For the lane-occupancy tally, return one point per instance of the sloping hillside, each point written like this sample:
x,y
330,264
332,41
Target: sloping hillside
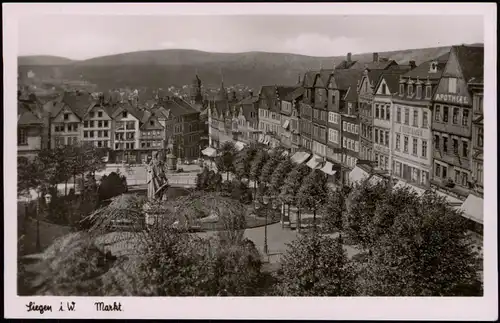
x,y
163,68
43,60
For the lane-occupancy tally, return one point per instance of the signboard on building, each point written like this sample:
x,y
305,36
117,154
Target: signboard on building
x,y
413,131
382,149
452,98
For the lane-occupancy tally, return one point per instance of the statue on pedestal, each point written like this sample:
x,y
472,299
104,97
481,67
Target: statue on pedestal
x,y
156,178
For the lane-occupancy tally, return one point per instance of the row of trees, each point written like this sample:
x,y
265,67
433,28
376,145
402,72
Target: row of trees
x,y
276,175
59,165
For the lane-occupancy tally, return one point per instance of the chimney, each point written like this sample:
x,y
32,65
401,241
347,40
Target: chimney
x,y
299,80
412,64
349,57
375,57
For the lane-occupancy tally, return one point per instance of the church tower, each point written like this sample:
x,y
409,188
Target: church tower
x,y
196,97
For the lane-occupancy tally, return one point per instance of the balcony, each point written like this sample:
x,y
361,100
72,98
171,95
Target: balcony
x,y
454,129
453,159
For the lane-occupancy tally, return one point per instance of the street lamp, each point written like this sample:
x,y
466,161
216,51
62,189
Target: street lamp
x,y
265,201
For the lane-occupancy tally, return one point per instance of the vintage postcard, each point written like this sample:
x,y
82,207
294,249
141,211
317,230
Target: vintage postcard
x,y
250,161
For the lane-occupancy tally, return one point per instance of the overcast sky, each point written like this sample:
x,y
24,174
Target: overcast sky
x,y
81,37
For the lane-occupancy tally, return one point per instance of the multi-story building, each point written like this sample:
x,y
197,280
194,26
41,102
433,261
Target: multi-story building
x,y
476,87
320,115
66,115
344,122
453,116
126,125
97,124
31,137
152,134
220,118
270,113
306,111
290,136
385,88
246,119
411,122
182,125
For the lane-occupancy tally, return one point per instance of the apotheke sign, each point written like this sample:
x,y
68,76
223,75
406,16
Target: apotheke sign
x,y
451,98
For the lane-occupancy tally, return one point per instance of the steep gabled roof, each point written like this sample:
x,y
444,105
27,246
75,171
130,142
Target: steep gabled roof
x,y
126,106
27,115
380,65
391,80
345,65
422,71
175,106
77,101
294,94
471,60
248,100
309,78
347,80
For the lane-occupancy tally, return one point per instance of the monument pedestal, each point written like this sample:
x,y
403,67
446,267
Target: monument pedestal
x,y
171,163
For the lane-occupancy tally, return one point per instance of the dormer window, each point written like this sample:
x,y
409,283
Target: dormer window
x,y
401,89
124,114
433,67
428,91
419,91
410,89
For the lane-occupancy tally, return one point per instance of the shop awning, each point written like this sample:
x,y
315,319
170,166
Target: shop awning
x,y
401,184
266,140
300,156
209,151
450,199
357,175
314,162
261,138
239,145
286,124
328,169
473,208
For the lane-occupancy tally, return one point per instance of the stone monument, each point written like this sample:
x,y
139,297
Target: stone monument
x,y
171,158
157,185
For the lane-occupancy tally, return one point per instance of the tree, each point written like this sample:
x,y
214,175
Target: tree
x,y
111,185
426,252
313,193
267,170
256,167
202,179
316,265
291,187
242,162
225,158
333,210
29,176
279,175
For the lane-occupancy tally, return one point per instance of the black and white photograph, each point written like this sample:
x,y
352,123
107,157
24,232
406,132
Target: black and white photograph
x,y
169,152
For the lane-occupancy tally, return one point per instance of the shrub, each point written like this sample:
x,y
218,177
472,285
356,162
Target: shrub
x,y
112,185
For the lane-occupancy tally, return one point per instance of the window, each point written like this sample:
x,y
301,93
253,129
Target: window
x,y
151,122
330,117
465,118
425,120
99,124
479,175
105,133
388,113
382,112
398,115
333,99
91,123
423,179
91,114
99,114
401,89
85,134
405,147
85,124
457,177
445,172
99,134
465,179
415,146
387,138
455,115
407,116
455,146
124,114
344,142
419,91
424,148
376,160
376,135
384,89
410,90
445,114
465,148
66,116
428,92
445,144
436,142
376,111
356,146
22,138
437,171
480,131
91,134
452,85
415,118
437,115
356,129
344,126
